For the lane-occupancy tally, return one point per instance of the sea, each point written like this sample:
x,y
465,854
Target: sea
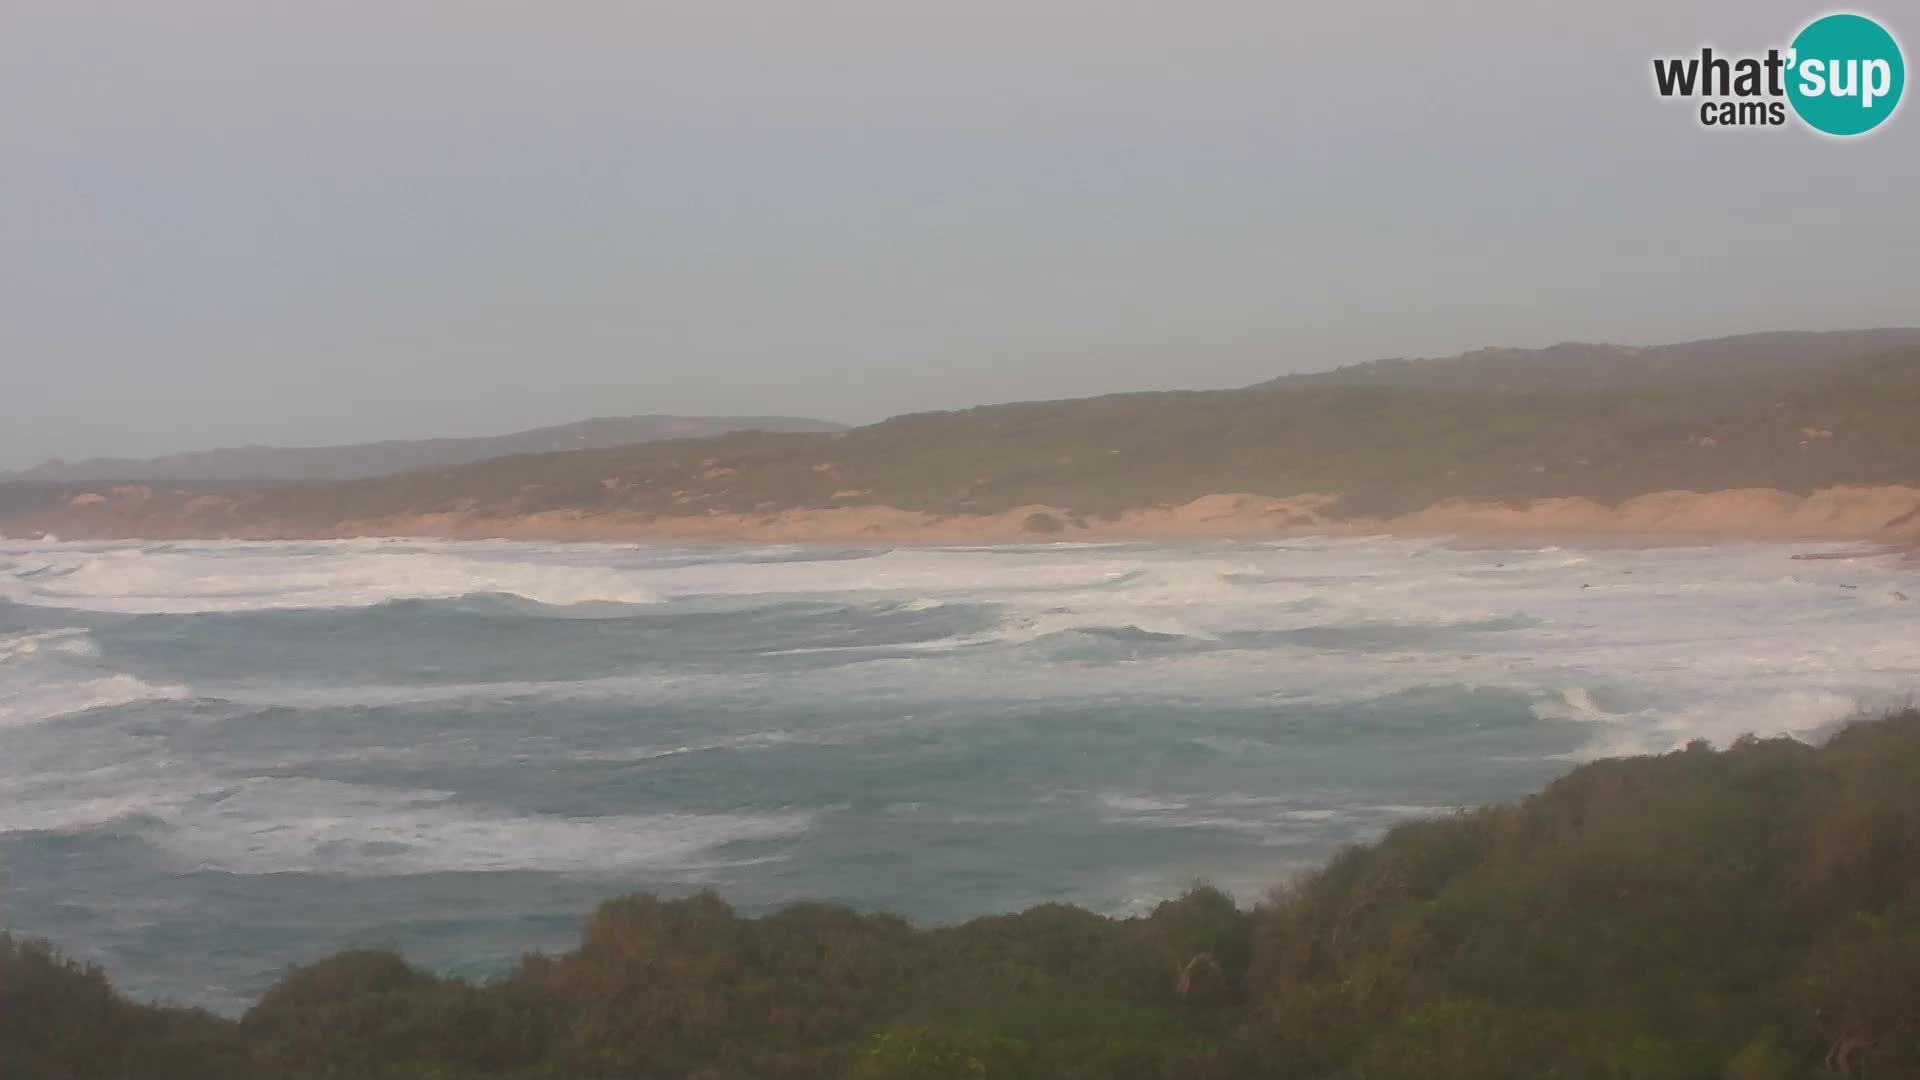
x,y
219,759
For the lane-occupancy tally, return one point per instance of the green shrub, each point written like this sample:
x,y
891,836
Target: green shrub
x,y
1749,914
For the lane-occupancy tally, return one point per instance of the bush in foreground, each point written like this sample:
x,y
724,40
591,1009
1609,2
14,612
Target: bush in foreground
x,y
1749,914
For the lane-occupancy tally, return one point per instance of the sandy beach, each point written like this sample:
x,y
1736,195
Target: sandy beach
x,y
1887,515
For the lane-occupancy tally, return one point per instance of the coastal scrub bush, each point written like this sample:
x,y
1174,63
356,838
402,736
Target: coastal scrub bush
x,y
1752,913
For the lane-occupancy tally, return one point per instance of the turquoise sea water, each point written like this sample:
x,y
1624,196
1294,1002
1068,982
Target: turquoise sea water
x,y
217,759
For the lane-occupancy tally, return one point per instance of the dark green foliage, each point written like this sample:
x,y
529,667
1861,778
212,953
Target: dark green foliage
x,y
366,1012
60,1019
1752,914
1807,413
1680,915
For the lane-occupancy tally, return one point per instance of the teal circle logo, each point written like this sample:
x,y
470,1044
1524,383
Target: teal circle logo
x,y
1845,74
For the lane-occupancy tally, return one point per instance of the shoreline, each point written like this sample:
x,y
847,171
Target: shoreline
x,y
1887,516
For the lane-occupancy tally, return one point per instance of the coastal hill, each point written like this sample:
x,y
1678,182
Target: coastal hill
x,y
1752,913
1576,365
1801,434
397,455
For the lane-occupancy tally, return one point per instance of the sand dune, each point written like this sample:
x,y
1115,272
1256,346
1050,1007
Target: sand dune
x,y
1889,514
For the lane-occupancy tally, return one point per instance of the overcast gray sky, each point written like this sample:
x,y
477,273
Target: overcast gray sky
x,y
295,222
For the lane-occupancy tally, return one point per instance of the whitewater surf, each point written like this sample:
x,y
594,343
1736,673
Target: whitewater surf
x,y
220,758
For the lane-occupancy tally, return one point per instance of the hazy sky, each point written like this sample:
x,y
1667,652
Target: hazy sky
x,y
301,222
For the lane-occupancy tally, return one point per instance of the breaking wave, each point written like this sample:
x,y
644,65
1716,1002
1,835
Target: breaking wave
x,y
197,736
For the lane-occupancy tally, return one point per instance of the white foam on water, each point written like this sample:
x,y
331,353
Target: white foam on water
x,y
324,827
34,703
68,640
61,808
271,825
1205,590
45,675
1016,629
1267,820
1139,804
1635,650
255,577
1807,715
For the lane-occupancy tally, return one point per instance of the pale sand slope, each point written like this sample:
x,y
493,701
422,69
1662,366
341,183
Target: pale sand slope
x,y
1889,514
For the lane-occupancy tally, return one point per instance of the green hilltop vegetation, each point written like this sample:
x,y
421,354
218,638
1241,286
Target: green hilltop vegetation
x,y
1746,914
1575,365
1796,412
1385,445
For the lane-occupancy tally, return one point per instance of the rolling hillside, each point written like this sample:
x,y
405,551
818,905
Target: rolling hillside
x,y
1806,412
1578,366
398,455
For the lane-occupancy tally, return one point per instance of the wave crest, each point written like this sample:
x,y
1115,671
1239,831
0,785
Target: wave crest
x,y
243,577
